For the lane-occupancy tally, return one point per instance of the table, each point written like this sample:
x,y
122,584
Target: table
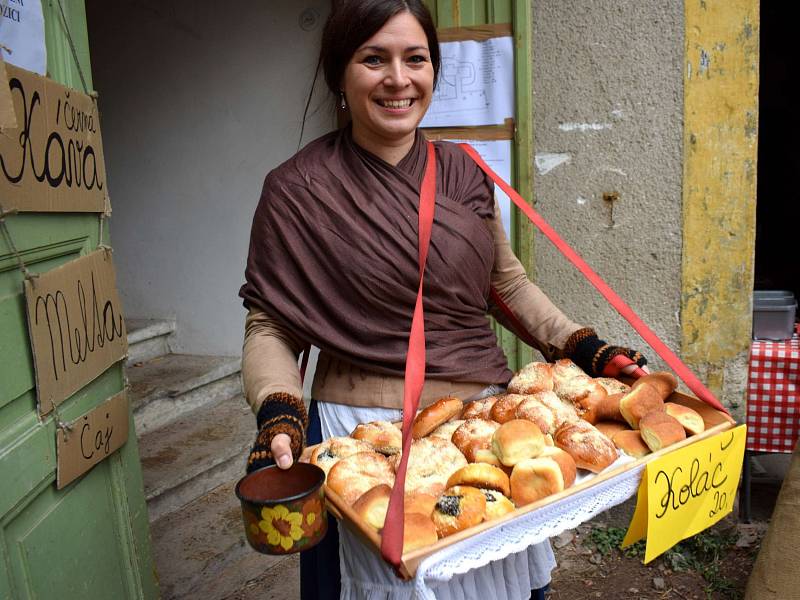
x,y
773,403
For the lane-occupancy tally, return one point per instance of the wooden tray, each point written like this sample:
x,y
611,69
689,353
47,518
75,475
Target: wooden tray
x,y
715,422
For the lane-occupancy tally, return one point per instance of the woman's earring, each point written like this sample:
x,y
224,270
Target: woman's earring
x,y
342,101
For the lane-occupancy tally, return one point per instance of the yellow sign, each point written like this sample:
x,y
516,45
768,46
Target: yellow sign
x,y
686,491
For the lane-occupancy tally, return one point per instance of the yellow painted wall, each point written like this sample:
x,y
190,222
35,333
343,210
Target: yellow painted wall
x,y
719,189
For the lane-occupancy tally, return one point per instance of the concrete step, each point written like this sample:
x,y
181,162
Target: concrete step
x,y
195,453
200,552
148,338
162,389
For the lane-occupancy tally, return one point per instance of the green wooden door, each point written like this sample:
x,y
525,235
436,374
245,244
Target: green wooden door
x,y
90,539
465,13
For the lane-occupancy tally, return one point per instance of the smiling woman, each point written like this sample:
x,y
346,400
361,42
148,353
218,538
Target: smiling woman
x,y
334,262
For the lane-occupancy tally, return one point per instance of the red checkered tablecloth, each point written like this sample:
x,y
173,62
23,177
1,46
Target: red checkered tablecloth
x,y
773,396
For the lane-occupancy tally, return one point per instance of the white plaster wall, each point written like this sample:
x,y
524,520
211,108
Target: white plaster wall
x,y
199,100
608,102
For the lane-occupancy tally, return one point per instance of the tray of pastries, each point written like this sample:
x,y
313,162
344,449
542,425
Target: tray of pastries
x,y
476,465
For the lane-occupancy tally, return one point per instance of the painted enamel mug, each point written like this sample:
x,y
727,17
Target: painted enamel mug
x,y
283,510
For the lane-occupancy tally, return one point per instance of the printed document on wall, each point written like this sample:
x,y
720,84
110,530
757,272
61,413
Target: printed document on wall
x,y
497,154
22,35
476,84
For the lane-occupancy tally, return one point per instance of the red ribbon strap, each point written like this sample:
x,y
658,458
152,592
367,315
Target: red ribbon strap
x,y
675,363
392,537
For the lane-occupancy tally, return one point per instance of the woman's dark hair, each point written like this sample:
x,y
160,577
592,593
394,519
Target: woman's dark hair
x,y
353,22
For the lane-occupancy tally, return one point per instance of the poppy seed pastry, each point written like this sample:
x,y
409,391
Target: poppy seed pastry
x,y
457,508
660,430
533,377
481,475
517,440
589,448
332,450
358,473
384,437
497,504
434,415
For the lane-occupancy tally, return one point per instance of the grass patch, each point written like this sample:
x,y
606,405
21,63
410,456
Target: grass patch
x,y
702,554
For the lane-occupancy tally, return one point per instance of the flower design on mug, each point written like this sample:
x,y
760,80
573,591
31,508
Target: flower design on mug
x,y
282,527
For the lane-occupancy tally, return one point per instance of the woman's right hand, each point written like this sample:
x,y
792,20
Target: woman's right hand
x,y
281,447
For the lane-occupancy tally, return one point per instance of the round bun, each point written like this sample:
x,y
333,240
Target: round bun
x,y
589,448
660,430
358,473
537,478
477,452
434,415
642,399
418,531
664,382
332,450
384,437
418,502
481,475
430,464
688,417
373,504
457,508
505,409
631,443
517,440
474,432
497,504
601,408
479,409
569,470
533,377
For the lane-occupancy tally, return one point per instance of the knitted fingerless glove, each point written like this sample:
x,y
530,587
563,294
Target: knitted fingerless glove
x,y
592,354
279,413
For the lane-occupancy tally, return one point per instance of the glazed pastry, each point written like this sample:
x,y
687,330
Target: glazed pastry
x,y
642,399
434,415
457,508
383,436
481,476
418,531
480,409
430,464
475,433
533,377
497,504
690,419
664,383
589,448
631,443
660,430
372,505
358,473
517,440
446,430
505,409
332,450
547,410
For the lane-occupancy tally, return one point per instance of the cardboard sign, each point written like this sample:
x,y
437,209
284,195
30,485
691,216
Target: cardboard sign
x,y
686,491
75,325
52,160
8,118
86,441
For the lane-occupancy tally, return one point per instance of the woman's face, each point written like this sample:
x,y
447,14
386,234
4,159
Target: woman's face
x,y
388,84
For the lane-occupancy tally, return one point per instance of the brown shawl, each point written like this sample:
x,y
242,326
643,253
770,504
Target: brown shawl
x,y
333,256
